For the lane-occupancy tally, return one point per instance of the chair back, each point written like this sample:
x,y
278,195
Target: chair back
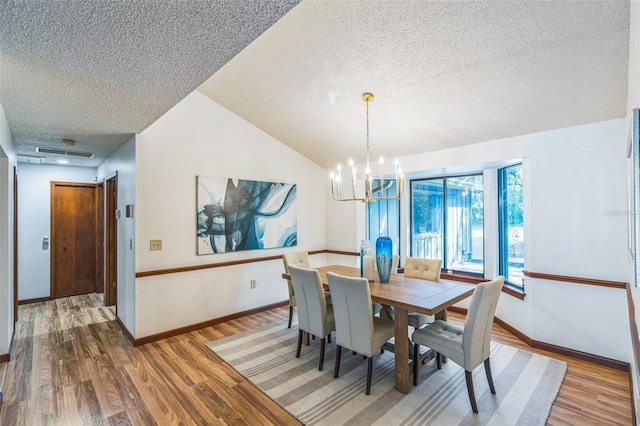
x,y
476,338
312,305
425,269
351,299
296,259
394,265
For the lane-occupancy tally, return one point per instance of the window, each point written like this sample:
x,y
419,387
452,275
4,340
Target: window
x,y
511,247
383,216
447,222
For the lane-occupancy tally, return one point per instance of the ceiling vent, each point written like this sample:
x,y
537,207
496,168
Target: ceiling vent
x,y
67,152
31,159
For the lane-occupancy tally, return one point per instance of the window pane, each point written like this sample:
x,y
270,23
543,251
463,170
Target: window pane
x,y
383,216
511,230
465,224
427,218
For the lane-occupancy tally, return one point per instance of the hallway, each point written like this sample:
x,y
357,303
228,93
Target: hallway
x,y
72,365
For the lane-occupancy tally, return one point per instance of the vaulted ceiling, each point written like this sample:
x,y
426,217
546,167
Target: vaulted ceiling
x,y
443,73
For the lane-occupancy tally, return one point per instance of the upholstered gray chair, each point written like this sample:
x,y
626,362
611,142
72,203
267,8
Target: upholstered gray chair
x,y
315,316
356,327
295,259
468,346
424,269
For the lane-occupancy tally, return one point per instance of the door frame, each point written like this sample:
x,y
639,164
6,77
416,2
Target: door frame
x,y
100,283
111,240
52,240
15,244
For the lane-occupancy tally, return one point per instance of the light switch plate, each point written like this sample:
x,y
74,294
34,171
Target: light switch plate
x,y
155,245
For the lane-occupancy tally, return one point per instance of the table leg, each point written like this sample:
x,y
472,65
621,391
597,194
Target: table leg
x,y
401,330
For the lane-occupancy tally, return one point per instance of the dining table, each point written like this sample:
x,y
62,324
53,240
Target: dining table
x,y
405,295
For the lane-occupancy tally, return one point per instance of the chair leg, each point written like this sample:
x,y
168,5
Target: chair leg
x,y
472,396
290,315
336,369
438,360
321,354
416,354
299,343
487,369
369,371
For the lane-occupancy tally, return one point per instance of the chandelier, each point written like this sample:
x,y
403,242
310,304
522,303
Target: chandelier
x,y
371,194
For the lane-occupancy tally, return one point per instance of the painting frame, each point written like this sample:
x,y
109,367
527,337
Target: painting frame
x,y
240,214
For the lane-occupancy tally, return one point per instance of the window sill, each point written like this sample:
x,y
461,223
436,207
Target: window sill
x,y
510,289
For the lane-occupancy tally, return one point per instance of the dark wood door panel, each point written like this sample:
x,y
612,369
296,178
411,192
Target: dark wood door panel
x,y
73,239
85,217
63,242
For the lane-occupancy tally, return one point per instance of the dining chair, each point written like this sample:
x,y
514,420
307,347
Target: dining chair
x,y
424,269
296,259
315,316
356,327
468,346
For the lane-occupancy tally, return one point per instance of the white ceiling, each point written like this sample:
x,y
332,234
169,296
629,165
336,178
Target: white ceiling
x,y
98,71
444,73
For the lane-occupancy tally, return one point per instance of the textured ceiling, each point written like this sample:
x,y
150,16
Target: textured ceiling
x,y
444,73
98,71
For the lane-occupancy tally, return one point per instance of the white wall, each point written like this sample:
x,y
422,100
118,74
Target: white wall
x,y
199,137
34,222
7,162
633,101
122,163
574,182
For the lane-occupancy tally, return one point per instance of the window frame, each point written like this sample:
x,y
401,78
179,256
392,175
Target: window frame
x,y
445,221
503,233
397,226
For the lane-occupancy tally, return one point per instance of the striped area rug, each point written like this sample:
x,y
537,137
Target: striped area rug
x,y
526,384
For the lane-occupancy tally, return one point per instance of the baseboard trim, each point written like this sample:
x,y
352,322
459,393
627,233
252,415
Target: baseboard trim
x,y
584,356
126,331
560,350
36,300
520,335
198,326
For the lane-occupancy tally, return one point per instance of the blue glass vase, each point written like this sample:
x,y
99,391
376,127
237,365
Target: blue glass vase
x,y
384,256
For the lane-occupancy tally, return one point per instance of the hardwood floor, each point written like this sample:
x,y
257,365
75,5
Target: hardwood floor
x,y
72,365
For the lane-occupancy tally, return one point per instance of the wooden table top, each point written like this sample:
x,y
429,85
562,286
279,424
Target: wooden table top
x,y
412,294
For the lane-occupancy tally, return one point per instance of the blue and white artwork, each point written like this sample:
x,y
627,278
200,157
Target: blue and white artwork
x,y
238,214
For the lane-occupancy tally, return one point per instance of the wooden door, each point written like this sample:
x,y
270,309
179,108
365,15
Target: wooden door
x,y
99,237
73,238
111,243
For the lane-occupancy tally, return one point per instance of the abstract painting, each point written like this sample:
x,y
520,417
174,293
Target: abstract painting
x,y
238,214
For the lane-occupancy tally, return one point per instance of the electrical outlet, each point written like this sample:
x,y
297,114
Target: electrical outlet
x,y
253,283
155,245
